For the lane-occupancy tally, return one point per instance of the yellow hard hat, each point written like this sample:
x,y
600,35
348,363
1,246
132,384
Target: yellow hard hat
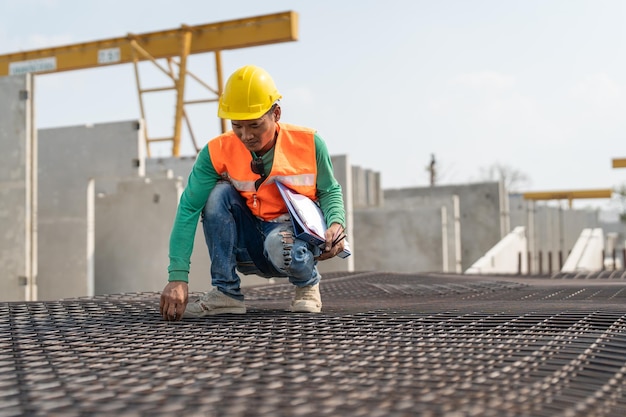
x,y
249,93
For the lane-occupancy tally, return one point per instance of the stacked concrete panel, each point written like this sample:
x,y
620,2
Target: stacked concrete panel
x,y
616,244
442,226
70,157
416,233
132,227
179,167
343,173
200,269
366,188
552,230
18,190
480,214
132,231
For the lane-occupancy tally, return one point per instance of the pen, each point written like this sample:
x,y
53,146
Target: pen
x,y
339,239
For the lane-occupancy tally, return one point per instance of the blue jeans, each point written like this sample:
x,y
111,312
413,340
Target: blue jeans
x,y
237,240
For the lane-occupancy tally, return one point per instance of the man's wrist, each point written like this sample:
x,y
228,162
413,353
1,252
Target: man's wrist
x,y
182,276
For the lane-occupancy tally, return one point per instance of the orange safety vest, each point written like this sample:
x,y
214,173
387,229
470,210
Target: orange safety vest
x,y
294,165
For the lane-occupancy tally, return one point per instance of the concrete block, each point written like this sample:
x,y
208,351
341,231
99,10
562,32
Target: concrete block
x,y
69,158
18,190
552,230
343,174
132,228
397,240
480,212
180,167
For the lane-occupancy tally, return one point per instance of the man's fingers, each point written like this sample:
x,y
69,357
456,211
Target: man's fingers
x,y
164,308
169,310
173,301
172,312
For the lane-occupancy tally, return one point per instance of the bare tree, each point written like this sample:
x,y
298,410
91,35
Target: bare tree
x,y
514,179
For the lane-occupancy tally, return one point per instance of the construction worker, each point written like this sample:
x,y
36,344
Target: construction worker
x,y
246,223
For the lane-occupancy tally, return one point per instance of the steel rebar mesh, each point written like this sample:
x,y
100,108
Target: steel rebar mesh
x,y
386,345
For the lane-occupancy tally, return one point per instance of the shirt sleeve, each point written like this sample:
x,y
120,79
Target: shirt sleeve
x,y
329,192
200,183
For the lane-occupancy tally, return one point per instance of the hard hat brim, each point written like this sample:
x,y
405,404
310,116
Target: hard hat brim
x,y
222,114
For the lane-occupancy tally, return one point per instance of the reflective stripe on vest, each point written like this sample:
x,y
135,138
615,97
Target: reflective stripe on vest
x,y
293,181
294,165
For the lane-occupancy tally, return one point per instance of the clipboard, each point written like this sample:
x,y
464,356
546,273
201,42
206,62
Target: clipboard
x,y
307,219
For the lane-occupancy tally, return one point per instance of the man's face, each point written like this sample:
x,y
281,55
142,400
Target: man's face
x,y
257,135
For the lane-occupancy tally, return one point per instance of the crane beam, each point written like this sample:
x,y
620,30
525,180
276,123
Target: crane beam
x,y
154,46
568,195
233,34
619,163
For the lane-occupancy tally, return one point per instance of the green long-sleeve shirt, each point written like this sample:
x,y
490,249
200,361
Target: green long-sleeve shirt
x,y
201,182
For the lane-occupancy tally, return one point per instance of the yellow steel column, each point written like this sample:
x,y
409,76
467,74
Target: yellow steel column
x,y
220,83
142,111
180,89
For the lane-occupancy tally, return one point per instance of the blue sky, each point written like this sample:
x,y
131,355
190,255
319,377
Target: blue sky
x,y
536,85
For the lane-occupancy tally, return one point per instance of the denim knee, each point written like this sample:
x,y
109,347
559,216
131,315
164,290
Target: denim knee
x,y
289,255
223,194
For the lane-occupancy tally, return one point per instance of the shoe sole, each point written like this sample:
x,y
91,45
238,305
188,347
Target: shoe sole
x,y
305,309
233,310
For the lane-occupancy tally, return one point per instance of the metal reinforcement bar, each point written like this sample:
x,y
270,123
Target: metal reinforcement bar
x,y
386,345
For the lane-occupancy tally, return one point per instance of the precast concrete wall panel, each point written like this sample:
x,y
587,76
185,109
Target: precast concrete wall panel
x,y
132,228
132,232
374,191
554,231
619,229
18,188
200,268
343,174
398,240
548,239
366,188
480,214
518,211
180,167
575,221
443,212
359,187
70,157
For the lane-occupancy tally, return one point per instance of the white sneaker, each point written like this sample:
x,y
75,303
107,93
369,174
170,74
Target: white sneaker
x,y
212,303
307,300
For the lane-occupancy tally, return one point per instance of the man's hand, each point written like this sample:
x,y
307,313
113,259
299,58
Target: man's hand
x,y
174,300
334,236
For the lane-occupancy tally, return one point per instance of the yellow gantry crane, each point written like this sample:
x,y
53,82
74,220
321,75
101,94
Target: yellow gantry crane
x,y
575,194
173,45
568,195
619,162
